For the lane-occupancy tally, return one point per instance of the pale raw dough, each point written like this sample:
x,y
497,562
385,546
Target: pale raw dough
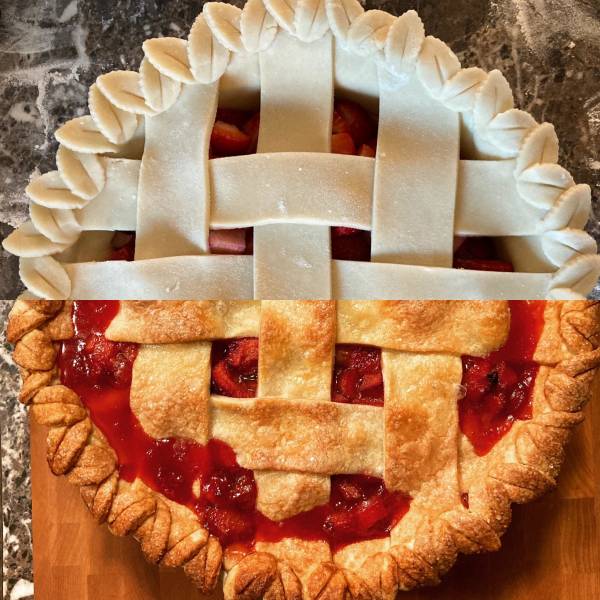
x,y
414,197
316,188
173,197
293,261
415,176
387,281
182,277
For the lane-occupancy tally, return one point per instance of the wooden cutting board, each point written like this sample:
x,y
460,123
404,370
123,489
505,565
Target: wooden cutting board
x,y
551,550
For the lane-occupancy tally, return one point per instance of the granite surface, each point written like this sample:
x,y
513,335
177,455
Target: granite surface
x,y
16,489
52,50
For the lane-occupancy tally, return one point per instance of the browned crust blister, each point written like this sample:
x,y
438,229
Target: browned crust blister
x,y
173,537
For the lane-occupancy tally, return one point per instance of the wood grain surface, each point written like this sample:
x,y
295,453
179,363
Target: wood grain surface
x,y
551,550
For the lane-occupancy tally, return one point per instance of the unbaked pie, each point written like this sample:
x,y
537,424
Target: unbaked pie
x,y
309,449
444,156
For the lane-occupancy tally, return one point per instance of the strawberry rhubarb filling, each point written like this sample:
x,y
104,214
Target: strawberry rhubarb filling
x,y
207,478
354,131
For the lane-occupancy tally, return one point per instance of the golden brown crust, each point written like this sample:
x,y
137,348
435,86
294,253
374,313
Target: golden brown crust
x,y
456,327
26,316
204,568
76,449
35,351
527,466
181,386
308,436
168,321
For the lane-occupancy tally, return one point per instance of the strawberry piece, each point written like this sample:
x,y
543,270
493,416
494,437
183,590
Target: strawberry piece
x,y
233,116
357,376
123,246
347,383
227,241
343,356
223,383
104,363
350,244
482,264
349,490
339,524
228,140
251,128
228,524
362,508
479,254
371,384
345,230
373,515
339,125
243,356
235,367
124,253
496,393
360,124
342,143
232,487
366,150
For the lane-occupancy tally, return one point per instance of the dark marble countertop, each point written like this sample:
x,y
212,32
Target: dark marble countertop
x,y
52,50
16,485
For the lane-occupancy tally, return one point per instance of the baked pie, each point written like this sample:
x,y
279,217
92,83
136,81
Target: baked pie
x,y
305,150
310,449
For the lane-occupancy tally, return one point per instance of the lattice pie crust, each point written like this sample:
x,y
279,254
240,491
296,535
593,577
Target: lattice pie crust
x,y
293,438
454,157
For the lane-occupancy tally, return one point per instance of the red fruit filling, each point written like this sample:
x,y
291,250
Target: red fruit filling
x,y
357,376
479,254
350,244
234,367
228,140
357,121
207,478
360,508
499,387
231,241
122,246
342,143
